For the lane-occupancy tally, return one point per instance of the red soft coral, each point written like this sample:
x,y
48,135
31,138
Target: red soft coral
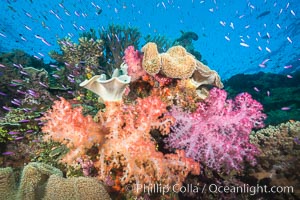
x,y
68,125
217,134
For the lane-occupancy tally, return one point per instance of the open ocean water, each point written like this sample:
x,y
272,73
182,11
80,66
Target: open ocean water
x,y
172,99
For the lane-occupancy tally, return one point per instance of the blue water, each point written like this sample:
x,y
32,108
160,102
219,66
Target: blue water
x,y
274,36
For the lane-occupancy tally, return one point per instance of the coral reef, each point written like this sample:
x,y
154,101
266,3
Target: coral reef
x,y
135,160
147,117
181,86
21,82
217,133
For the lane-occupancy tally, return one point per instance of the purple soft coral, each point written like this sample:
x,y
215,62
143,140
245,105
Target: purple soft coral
x,y
217,133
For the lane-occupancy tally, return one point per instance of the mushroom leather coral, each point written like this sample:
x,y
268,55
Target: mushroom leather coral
x,y
129,152
68,125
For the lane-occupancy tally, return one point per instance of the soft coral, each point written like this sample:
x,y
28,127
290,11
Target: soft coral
x,y
69,126
217,133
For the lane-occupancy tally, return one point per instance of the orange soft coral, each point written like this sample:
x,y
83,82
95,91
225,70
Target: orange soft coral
x,y
123,120
68,125
131,150
141,165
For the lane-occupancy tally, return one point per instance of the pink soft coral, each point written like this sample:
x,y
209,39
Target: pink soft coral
x,y
217,134
68,125
133,59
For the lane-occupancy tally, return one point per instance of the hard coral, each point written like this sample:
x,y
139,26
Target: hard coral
x,y
68,125
217,133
